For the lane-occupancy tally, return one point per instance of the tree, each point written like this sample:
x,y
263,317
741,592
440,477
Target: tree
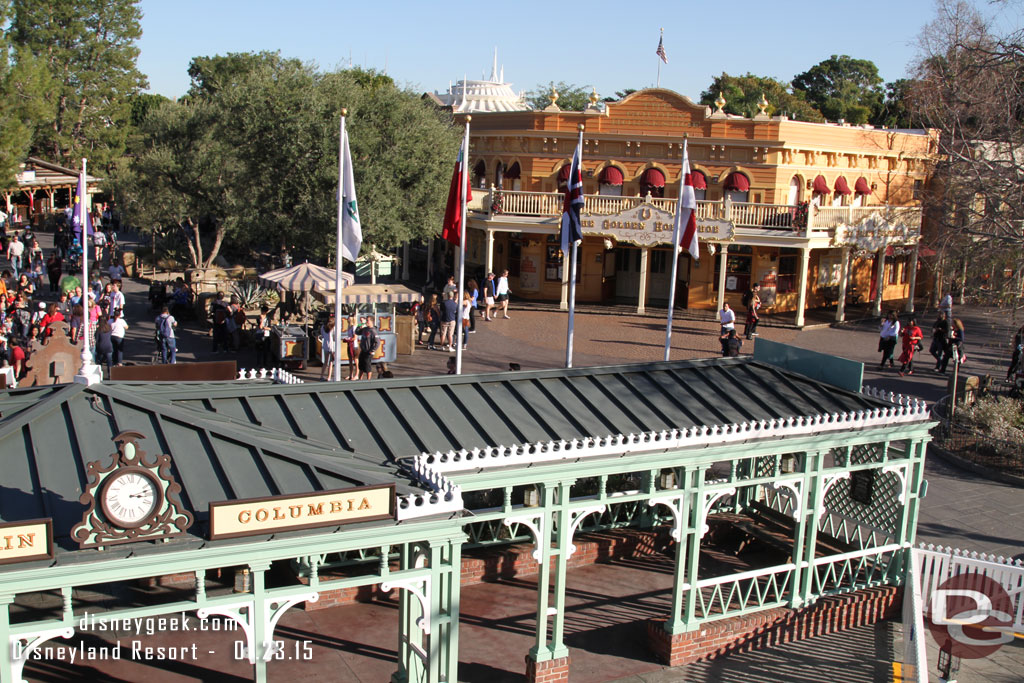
x,y
250,158
570,97
89,52
970,87
842,87
620,95
742,93
895,110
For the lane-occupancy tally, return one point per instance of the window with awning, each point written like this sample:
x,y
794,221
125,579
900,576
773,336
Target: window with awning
x,y
611,175
861,186
513,172
841,187
480,174
700,181
821,185
737,182
653,177
563,174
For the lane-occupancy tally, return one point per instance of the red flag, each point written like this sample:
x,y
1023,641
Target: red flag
x,y
686,211
452,230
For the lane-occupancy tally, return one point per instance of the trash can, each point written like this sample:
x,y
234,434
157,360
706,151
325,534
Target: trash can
x,y
405,330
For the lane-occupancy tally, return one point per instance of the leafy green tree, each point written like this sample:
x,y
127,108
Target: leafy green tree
x,y
842,87
88,48
250,157
896,110
742,93
570,97
620,95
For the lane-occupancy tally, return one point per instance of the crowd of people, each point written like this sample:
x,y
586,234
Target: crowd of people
x,y
443,314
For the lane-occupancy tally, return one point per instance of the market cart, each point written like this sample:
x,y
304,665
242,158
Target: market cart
x,y
289,346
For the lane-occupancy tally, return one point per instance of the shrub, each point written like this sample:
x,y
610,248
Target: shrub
x,y
997,417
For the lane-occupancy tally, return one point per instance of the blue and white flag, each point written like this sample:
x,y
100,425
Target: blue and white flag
x,y
572,230
351,229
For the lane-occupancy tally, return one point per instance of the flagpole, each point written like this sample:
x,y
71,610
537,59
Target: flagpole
x,y
463,177
660,39
89,373
572,269
338,282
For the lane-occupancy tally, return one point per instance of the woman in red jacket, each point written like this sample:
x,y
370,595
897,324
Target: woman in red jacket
x,y
912,335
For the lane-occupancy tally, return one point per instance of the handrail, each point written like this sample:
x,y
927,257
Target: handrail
x,y
803,218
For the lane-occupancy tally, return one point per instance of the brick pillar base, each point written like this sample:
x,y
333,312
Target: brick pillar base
x,y
550,671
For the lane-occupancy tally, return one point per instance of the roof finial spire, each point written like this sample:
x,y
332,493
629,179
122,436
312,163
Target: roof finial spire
x,y
494,67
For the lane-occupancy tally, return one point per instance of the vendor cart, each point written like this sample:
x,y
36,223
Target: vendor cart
x,y
289,345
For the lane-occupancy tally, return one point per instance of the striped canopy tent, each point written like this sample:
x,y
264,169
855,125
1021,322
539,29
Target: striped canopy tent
x,y
304,277
371,294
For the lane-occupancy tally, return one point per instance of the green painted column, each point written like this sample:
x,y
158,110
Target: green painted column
x,y
806,519
691,541
433,641
404,620
540,652
906,533
6,675
453,592
675,624
563,540
258,619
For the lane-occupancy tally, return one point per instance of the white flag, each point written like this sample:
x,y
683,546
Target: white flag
x,y
351,230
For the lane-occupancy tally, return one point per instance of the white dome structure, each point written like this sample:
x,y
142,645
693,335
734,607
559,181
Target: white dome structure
x,y
492,95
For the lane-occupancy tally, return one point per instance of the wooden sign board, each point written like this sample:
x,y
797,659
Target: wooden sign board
x,y
25,541
178,372
256,516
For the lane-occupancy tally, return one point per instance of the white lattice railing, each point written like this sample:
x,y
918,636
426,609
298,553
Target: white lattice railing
x,y
854,570
277,375
905,410
938,564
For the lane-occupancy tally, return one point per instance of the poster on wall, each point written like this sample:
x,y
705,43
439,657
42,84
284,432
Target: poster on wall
x,y
529,279
769,284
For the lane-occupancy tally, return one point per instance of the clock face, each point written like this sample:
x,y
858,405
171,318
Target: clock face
x,y
130,497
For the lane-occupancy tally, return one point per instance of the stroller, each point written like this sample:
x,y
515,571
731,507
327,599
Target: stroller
x,y
74,262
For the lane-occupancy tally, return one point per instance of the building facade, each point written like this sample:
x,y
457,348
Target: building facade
x,y
812,212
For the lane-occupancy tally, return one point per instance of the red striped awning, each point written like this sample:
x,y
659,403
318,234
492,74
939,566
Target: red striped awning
x,y
700,181
841,187
653,177
737,182
513,172
861,186
821,185
611,176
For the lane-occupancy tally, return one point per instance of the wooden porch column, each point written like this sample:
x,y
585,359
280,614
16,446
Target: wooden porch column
x,y
801,297
879,283
912,278
844,283
490,252
405,261
430,259
723,261
641,304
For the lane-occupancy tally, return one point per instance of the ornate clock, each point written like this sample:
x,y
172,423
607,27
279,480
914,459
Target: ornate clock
x,y
131,499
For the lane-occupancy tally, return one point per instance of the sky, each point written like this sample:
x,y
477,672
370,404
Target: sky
x,y
607,45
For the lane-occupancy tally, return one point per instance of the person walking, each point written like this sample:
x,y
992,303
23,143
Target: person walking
x,y
327,350
752,300
889,333
731,344
490,293
912,337
104,345
15,250
502,294
165,324
474,298
118,327
54,269
1018,352
946,305
464,318
263,337
368,343
420,315
727,318
954,346
433,321
449,314
940,334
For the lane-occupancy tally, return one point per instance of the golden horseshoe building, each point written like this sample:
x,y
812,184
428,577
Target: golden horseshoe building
x,y
817,213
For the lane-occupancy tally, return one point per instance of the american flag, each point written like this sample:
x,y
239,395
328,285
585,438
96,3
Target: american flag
x,y
572,231
661,50
686,211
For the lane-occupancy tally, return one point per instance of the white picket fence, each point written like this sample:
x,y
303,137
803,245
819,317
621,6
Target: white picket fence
x,y
932,565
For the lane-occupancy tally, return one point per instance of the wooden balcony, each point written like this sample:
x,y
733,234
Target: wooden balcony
x,y
807,221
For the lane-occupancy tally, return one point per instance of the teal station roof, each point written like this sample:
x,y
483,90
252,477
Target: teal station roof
x,y
249,439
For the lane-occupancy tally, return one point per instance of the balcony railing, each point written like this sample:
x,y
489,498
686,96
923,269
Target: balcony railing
x,y
807,220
